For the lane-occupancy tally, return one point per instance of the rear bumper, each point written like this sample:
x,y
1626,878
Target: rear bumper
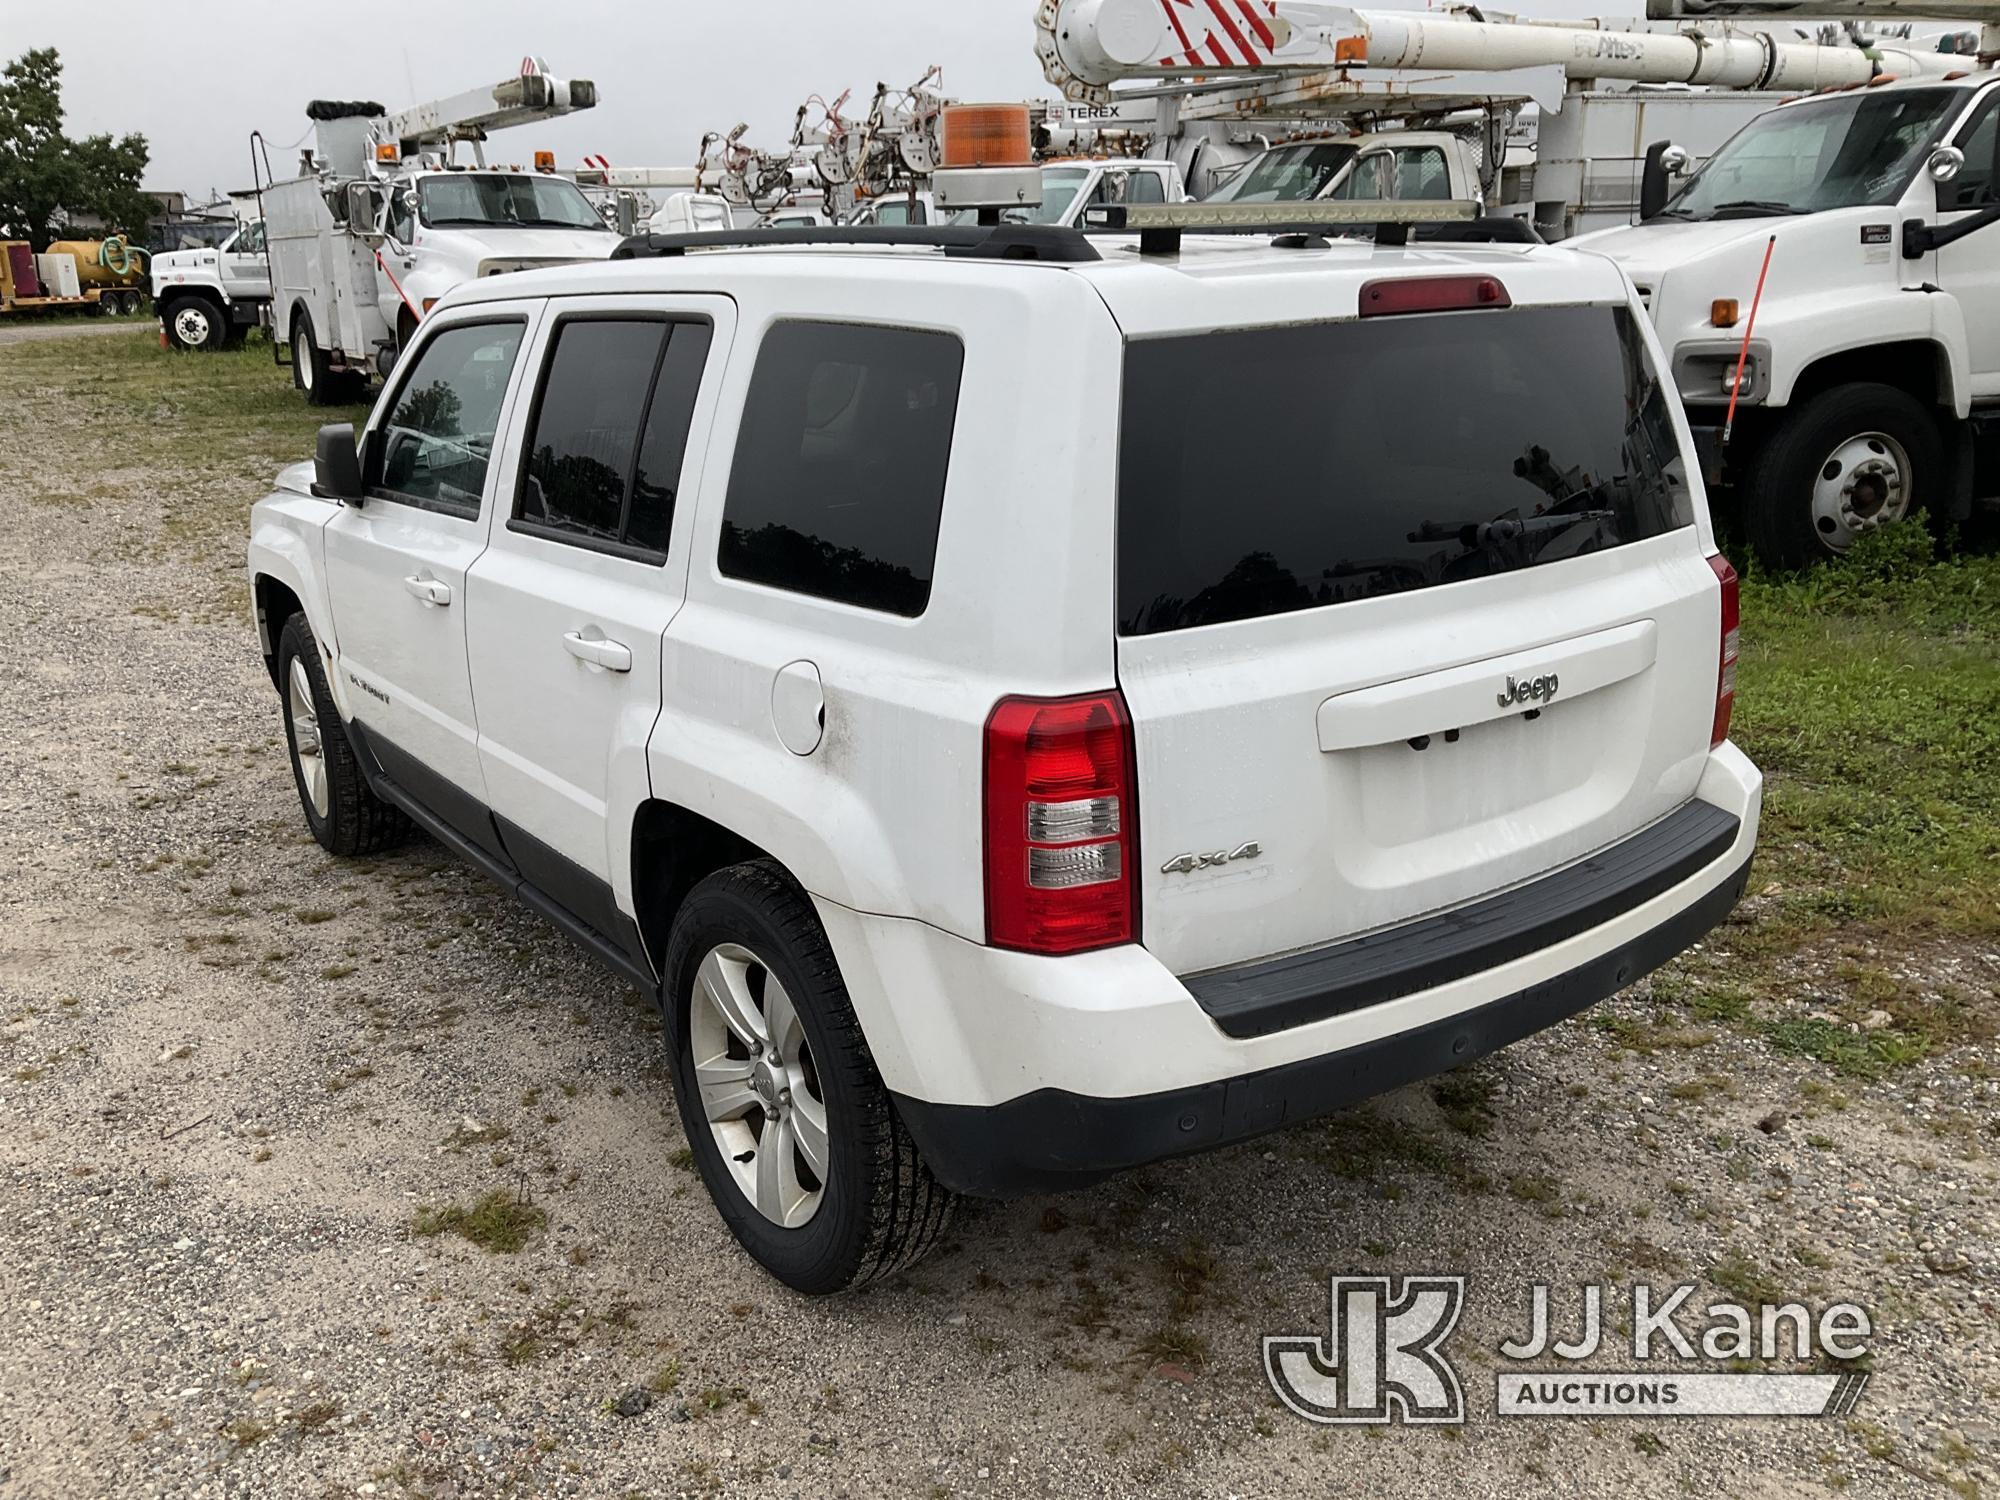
x,y
1017,1072
1051,1140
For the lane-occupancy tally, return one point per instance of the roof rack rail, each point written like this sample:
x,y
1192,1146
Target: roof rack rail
x,y
1048,243
1161,225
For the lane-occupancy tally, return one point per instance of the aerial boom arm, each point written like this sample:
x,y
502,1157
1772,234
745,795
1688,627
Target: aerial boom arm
x,y
1085,45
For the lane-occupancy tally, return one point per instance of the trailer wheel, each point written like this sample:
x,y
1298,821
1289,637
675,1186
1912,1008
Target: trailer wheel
x,y
310,372
1850,460
194,323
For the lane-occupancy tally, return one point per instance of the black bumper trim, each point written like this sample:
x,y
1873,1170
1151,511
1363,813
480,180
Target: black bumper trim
x,y
1052,1140
1275,994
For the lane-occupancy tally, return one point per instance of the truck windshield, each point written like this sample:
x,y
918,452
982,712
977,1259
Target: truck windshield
x,y
1290,174
1843,151
497,198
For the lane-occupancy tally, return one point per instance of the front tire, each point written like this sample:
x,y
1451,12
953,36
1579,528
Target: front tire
x,y
195,323
791,1127
1851,459
343,814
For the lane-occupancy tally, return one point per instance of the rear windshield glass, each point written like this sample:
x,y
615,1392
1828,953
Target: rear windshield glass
x,y
1277,469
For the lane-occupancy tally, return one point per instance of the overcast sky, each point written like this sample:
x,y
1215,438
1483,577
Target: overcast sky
x,y
195,77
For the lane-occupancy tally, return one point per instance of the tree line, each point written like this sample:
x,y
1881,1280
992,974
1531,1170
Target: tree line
x,y
48,180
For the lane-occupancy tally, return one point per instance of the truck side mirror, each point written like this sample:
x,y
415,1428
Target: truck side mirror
x,y
362,206
1664,162
1945,163
337,464
628,214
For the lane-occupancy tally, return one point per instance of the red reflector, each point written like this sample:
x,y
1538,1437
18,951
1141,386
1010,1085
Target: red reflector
x,y
1420,294
1731,633
1061,850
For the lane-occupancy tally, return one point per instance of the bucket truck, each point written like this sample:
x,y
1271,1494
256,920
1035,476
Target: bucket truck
x,y
1227,78
1823,285
382,220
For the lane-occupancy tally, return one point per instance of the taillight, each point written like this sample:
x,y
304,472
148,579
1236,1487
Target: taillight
x,y
1060,824
1417,294
1725,675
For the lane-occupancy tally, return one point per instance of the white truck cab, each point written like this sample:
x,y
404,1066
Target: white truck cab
x,y
1071,185
1390,164
991,805
1873,370
209,298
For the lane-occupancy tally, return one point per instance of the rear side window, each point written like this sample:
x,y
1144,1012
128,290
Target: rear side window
x,y
838,482
609,432
1331,462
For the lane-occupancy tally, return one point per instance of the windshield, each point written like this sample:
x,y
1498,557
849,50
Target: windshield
x,y
1290,174
494,198
1839,152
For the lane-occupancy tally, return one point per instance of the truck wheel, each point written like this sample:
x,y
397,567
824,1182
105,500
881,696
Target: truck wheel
x,y
1849,460
343,814
194,323
791,1127
310,372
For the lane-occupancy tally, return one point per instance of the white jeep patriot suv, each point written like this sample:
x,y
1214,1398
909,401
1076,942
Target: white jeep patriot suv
x,y
1026,702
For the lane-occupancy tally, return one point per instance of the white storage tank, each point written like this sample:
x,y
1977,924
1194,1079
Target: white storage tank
x,y
58,274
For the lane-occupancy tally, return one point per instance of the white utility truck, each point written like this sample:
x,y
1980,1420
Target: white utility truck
x,y
209,298
382,222
1363,104
1870,383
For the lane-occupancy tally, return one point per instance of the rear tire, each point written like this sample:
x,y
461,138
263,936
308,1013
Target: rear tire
x,y
1847,461
343,814
311,367
194,323
795,1061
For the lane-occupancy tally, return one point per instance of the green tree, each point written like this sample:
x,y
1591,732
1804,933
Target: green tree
x,y
45,177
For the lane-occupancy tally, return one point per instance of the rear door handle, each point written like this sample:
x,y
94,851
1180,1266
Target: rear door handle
x,y
612,656
428,590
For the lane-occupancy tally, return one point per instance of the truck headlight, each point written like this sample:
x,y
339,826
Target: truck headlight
x,y
1707,374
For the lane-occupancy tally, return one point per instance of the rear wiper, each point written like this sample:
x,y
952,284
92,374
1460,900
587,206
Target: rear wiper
x,y
1474,535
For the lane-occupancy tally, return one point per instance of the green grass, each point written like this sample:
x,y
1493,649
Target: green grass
x,y
1869,693
212,429
498,1223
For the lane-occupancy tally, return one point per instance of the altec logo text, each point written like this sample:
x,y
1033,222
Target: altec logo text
x,y
1384,1357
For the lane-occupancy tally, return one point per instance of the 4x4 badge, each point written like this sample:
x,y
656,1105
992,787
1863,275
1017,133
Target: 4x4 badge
x,y
1187,864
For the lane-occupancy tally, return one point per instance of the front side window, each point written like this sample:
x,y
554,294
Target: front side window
x,y
837,488
609,431
1977,185
1289,174
1842,151
504,199
251,240
1381,455
1421,173
434,447
1369,180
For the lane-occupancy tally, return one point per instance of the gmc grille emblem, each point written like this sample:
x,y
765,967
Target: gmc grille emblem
x,y
1528,690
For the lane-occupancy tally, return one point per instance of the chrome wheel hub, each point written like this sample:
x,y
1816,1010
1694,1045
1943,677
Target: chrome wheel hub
x,y
308,754
1864,483
191,325
759,1085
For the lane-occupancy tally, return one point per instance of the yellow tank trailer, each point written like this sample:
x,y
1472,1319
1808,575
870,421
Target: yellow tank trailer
x,y
105,276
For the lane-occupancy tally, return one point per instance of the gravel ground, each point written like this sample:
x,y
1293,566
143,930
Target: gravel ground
x,y
236,1070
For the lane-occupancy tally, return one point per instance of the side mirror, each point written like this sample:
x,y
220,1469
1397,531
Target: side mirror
x,y
628,214
337,464
1664,162
362,207
1945,163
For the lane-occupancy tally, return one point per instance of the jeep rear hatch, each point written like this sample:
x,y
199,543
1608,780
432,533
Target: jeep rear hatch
x,y
1412,611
